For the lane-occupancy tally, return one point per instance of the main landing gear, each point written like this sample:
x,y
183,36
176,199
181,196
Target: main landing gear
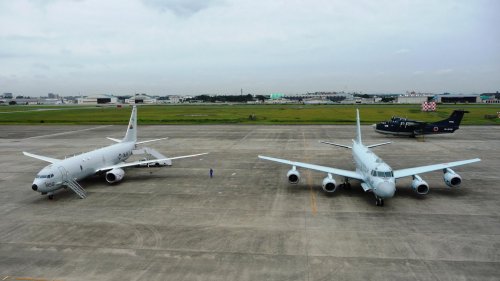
x,y
50,195
346,184
379,202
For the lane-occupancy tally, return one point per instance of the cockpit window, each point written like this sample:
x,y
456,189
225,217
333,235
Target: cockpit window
x,y
44,176
384,174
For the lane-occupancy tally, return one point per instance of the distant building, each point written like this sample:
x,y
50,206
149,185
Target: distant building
x,y
473,98
52,96
7,95
175,99
98,99
276,96
490,97
412,99
140,98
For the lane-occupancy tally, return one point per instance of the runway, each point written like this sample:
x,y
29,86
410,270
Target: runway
x,y
248,223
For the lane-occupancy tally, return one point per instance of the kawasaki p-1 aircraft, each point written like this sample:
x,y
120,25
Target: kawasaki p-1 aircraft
x,y
373,173
109,160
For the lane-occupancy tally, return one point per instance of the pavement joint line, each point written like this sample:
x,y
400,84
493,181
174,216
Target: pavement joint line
x,y
314,207
65,133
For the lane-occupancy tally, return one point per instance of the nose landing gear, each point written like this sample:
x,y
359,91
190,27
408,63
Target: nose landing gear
x,y
379,202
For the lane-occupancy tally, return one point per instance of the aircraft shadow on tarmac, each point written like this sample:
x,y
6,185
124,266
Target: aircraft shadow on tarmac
x,y
356,191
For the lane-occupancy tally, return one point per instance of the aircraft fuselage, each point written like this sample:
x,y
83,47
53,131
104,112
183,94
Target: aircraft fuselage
x,y
54,176
377,174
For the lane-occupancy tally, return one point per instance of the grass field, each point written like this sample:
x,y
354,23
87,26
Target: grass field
x,y
239,114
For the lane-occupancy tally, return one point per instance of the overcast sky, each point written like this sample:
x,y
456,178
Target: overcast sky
x,y
219,46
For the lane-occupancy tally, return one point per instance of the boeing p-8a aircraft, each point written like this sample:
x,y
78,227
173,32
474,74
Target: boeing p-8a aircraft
x,y
373,173
109,160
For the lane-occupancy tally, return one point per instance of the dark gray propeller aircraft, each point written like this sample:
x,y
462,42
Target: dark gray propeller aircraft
x,y
405,127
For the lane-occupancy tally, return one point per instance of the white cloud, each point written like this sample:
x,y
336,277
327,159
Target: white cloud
x,y
163,46
402,51
444,71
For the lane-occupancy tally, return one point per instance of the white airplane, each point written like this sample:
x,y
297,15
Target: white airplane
x,y
373,173
110,160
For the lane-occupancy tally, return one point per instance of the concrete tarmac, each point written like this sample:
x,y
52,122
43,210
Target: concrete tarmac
x,y
248,223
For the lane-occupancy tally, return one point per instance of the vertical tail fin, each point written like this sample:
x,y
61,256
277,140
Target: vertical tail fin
x,y
455,119
131,135
358,128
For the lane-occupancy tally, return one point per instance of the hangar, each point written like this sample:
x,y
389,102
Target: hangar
x,y
457,98
98,99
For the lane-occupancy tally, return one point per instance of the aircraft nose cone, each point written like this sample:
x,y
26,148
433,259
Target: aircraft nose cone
x,y
385,190
34,187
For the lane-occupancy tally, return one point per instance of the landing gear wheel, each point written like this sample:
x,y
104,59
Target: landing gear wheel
x,y
51,196
379,202
346,184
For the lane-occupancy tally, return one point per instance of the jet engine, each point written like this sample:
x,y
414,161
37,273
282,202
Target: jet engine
x,y
329,185
451,178
293,176
115,175
419,185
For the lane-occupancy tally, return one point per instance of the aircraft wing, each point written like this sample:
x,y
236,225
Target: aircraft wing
x,y
424,169
339,172
44,158
143,162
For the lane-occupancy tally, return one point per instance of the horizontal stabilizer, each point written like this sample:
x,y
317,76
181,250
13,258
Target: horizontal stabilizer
x,y
44,158
113,139
336,144
378,144
146,141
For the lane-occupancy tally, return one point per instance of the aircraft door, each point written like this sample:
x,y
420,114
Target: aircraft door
x,y
63,173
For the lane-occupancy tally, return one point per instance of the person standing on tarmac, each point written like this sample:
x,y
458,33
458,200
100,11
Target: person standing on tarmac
x,y
211,173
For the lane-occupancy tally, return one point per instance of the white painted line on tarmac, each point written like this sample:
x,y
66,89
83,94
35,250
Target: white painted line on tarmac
x,y
66,133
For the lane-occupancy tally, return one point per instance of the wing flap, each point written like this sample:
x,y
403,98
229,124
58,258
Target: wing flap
x,y
335,171
424,169
142,162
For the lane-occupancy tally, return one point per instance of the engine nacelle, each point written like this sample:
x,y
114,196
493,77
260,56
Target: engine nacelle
x,y
293,176
329,185
451,178
419,185
115,175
